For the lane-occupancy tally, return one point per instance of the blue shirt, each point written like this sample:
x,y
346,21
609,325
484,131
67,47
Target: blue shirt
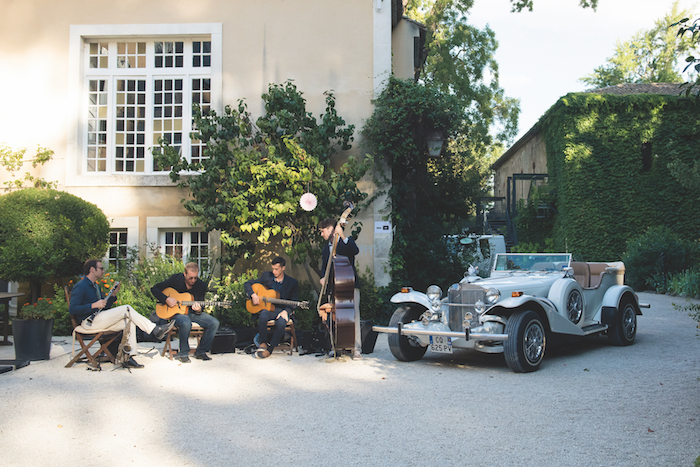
x,y
83,296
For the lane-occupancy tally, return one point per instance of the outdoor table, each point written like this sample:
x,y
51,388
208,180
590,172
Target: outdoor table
x,y
5,298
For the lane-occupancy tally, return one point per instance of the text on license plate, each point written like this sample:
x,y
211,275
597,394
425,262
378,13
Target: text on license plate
x,y
441,344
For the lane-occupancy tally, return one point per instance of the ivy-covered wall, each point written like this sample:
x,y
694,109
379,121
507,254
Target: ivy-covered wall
x,y
608,188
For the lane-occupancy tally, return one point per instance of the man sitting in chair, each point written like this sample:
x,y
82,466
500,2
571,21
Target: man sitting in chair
x,y
90,309
189,282
288,289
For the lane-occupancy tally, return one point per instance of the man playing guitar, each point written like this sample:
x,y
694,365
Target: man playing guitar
x,y
288,289
190,283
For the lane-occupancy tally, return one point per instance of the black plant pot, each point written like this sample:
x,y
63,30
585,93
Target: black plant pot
x,y
32,338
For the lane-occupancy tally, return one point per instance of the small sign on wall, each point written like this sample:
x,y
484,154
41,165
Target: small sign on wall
x,y
382,227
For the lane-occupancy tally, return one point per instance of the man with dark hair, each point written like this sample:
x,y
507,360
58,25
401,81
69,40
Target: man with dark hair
x,y
87,300
288,289
346,247
189,282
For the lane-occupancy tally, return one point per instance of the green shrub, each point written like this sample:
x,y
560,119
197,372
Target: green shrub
x,y
525,247
685,283
306,319
645,264
61,322
137,277
375,302
45,233
693,309
230,288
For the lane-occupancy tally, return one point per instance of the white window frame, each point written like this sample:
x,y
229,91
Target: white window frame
x,y
128,224
156,227
76,170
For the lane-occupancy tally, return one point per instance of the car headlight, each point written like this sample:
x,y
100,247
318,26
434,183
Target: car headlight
x,y
434,293
492,296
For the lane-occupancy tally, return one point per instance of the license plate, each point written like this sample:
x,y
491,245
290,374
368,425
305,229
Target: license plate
x,y
441,344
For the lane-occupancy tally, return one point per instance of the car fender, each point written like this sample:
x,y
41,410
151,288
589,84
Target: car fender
x,y
557,323
614,294
412,296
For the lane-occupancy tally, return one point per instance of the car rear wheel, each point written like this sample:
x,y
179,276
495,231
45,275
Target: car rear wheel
x,y
402,347
524,348
624,330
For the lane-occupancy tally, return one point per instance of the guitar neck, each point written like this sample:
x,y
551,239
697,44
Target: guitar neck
x,y
205,303
279,301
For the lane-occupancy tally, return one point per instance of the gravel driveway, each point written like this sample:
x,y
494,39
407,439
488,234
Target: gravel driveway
x,y
589,404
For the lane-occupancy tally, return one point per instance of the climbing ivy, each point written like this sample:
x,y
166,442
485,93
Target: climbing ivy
x,y
608,162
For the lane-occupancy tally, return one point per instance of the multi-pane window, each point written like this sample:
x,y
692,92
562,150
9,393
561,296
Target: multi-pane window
x,y
99,54
168,112
199,248
201,53
117,249
169,54
201,95
140,92
186,245
131,55
130,137
97,126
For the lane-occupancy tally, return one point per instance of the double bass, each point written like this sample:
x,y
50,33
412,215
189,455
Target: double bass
x,y
336,300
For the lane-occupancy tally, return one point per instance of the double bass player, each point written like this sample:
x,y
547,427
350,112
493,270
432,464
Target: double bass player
x,y
345,246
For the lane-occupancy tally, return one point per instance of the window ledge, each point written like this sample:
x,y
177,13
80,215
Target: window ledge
x,y
118,180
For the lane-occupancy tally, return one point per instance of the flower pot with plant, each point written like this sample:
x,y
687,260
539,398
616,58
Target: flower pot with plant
x,y
32,330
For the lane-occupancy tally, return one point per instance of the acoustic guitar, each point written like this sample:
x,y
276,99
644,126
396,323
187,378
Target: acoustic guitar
x,y
268,299
184,302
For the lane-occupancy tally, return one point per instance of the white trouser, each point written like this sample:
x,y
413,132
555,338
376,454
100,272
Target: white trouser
x,y
114,320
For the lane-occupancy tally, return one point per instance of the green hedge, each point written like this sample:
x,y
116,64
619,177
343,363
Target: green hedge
x,y
604,195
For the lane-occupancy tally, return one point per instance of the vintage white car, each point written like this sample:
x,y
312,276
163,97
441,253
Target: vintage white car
x,y
529,300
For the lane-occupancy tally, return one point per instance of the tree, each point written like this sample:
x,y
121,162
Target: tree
x,y
459,61
648,57
13,160
429,196
249,183
519,5
46,233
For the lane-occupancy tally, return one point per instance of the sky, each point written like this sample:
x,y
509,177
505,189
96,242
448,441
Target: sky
x,y
542,54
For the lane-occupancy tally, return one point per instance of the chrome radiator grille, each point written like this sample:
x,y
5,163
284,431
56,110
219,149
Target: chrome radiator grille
x,y
466,294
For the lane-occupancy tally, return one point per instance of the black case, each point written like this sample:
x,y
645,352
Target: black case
x,y
224,341
369,337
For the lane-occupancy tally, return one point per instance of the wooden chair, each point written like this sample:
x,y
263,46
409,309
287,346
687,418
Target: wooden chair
x,y
292,344
103,338
196,331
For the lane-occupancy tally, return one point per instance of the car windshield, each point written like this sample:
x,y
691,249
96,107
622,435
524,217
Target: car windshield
x,y
531,262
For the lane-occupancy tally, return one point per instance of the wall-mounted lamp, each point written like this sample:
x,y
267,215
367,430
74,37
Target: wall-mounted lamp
x,y
435,141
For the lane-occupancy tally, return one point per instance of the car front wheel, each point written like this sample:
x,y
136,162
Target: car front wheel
x,y
402,347
524,348
624,330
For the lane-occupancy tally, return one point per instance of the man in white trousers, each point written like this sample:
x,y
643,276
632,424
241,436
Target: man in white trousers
x,y
93,312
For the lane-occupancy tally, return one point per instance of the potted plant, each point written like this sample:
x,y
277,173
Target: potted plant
x,y
32,330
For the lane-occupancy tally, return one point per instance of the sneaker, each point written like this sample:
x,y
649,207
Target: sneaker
x,y
262,353
162,330
356,355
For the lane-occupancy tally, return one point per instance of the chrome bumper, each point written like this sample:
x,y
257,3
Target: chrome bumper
x,y
482,336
